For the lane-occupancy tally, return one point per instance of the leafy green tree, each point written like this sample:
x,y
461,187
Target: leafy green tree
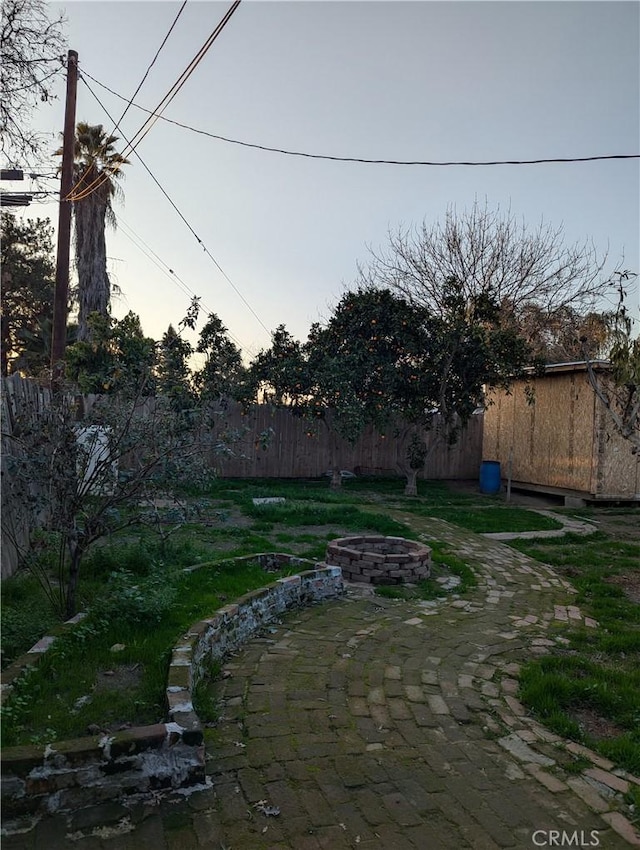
x,y
279,375
367,365
97,169
28,280
116,357
397,364
223,371
173,374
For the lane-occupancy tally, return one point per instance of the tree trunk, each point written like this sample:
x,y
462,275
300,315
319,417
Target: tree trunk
x,y
6,344
411,487
94,289
334,465
76,552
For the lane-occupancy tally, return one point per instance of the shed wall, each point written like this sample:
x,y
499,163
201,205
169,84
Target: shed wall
x,y
563,439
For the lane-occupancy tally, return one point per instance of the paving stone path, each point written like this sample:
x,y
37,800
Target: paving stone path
x,y
378,724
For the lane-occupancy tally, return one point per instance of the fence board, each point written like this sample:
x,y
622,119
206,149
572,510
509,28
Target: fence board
x,y
18,396
300,449
296,449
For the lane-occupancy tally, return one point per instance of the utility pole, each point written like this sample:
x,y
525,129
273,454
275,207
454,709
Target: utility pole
x,y
59,337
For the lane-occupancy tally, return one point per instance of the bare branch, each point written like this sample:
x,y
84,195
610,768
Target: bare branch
x,y
489,253
32,47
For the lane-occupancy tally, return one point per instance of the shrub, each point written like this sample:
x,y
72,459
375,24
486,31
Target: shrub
x,y
132,599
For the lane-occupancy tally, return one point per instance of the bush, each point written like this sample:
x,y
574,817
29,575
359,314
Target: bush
x,y
26,615
131,599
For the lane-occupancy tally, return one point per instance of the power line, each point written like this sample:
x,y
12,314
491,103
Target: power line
x,y
152,63
148,251
182,79
111,136
139,242
166,100
190,228
363,160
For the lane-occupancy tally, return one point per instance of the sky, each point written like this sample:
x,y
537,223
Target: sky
x,y
381,80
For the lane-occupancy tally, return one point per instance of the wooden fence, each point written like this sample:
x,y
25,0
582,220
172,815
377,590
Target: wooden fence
x,y
18,396
300,449
295,448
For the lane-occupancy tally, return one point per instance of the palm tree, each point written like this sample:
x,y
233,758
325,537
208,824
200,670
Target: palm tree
x,y
96,170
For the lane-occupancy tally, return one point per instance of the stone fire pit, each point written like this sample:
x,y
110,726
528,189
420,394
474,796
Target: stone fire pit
x,y
375,559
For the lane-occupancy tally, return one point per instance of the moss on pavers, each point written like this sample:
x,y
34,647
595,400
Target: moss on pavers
x,y
339,732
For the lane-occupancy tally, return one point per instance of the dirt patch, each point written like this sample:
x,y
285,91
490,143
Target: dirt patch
x,y
595,725
123,677
120,677
629,584
623,524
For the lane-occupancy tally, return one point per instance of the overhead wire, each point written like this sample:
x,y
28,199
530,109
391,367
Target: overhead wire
x,y
152,63
166,100
363,160
137,240
148,251
185,221
110,137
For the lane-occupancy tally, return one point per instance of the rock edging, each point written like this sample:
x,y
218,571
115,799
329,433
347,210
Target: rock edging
x,y
70,775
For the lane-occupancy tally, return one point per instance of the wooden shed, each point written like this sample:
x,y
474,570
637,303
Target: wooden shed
x,y
554,435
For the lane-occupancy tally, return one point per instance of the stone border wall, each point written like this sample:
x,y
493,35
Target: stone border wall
x,y
69,775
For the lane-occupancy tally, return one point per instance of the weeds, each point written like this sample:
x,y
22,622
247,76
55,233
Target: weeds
x,y
492,518
139,595
73,667
590,692
348,517
26,615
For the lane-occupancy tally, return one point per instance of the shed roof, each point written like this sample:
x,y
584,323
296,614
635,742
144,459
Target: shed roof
x,y
575,366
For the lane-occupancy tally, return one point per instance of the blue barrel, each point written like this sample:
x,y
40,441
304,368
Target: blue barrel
x,y
490,477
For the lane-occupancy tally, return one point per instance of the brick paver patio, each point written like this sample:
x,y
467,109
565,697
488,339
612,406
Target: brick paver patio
x,y
378,724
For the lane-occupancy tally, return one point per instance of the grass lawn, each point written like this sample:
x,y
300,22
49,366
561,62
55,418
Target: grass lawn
x,y
590,691
137,594
112,668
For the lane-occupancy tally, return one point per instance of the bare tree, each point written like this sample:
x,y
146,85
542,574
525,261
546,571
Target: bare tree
x,y
617,384
32,48
492,256
78,480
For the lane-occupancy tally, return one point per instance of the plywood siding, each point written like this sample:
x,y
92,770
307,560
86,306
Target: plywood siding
x,y
563,439
617,471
